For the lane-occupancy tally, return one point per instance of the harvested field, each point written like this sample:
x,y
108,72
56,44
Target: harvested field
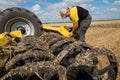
x,y
103,34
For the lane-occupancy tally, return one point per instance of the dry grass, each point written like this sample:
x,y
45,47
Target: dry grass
x,y
104,37
103,34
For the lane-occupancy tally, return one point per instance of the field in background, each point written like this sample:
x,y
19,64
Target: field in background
x,y
94,23
102,34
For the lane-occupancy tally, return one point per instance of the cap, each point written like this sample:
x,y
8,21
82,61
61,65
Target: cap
x,y
63,13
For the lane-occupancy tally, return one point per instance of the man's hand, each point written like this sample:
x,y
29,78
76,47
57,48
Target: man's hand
x,y
70,34
75,26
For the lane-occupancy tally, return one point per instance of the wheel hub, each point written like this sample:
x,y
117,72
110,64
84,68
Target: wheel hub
x,y
22,29
22,24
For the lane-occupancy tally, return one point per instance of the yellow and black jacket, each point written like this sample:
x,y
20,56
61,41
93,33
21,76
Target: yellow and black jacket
x,y
78,13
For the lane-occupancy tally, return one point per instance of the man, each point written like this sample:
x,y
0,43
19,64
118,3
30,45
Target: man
x,y
81,20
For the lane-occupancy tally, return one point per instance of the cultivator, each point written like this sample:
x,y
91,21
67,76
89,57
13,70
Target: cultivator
x,y
51,56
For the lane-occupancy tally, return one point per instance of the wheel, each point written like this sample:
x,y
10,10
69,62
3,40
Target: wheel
x,y
78,73
106,64
20,19
36,71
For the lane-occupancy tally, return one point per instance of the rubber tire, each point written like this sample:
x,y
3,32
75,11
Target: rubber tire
x,y
16,12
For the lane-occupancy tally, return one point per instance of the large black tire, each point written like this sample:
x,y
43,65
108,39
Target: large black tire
x,y
16,18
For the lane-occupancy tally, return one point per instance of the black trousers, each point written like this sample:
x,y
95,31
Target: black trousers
x,y
83,26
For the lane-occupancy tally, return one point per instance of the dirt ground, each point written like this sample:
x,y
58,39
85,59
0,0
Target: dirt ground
x,y
103,34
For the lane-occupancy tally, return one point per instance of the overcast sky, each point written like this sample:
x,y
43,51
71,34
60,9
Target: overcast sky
x,y
48,10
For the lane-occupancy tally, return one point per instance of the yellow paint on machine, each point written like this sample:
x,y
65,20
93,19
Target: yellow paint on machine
x,y
62,30
6,37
